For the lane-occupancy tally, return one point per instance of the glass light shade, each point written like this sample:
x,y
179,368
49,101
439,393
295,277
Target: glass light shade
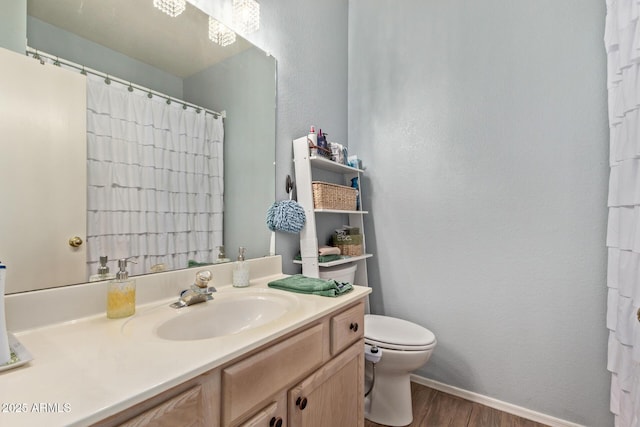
x,y
246,16
172,8
220,33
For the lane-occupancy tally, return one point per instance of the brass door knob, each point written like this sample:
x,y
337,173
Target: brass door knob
x,y
75,242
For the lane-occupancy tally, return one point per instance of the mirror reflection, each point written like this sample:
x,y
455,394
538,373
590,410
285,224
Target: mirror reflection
x,y
165,181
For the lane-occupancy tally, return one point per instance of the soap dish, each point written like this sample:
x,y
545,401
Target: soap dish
x,y
19,354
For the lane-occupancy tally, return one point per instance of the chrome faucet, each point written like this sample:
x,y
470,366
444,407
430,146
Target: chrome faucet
x,y
198,292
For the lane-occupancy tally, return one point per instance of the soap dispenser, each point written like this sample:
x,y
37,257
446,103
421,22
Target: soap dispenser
x,y
121,293
103,271
222,258
241,270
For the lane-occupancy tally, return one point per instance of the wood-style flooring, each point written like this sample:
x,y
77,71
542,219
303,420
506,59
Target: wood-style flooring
x,y
433,408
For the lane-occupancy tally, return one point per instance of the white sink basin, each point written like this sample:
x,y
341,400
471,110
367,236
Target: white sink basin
x,y
226,314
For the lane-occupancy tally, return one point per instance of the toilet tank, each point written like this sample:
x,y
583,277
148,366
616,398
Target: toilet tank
x,y
340,273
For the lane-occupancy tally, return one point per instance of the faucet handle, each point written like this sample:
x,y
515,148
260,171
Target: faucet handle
x,y
203,277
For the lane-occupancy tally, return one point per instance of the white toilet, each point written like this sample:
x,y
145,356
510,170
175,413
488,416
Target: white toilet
x,y
399,347
402,347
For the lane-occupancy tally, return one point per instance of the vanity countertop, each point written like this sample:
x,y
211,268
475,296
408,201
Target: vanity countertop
x,y
87,369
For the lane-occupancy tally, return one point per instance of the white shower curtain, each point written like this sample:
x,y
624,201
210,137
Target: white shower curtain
x,y
155,179
622,42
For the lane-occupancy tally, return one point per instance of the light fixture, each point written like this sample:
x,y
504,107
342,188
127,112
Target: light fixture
x,y
246,16
220,33
172,8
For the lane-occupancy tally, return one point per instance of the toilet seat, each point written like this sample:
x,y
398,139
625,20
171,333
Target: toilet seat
x,y
396,334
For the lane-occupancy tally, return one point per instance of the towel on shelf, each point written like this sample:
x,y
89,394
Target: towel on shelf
x,y
328,250
309,285
322,258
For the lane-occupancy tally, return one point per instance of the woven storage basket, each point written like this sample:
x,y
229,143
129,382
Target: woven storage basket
x,y
333,196
349,244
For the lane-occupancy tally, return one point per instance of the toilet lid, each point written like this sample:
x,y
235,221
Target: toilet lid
x,y
396,332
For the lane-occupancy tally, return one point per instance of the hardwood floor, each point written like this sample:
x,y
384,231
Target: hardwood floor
x,y
432,408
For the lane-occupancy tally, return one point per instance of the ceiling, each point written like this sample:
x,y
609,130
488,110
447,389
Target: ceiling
x,y
179,45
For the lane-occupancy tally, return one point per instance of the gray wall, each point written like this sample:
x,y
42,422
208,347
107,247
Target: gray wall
x,y
13,25
483,127
244,86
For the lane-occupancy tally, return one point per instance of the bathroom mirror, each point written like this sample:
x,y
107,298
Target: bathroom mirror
x,y
133,41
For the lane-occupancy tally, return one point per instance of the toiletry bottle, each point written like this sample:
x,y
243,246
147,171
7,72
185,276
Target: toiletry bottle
x,y
241,271
312,140
222,258
354,184
323,147
103,271
5,351
121,293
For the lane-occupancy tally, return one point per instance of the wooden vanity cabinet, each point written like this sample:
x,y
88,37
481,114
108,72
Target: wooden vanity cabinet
x,y
312,377
320,370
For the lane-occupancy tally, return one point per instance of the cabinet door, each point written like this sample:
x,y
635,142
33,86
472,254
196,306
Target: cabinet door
x,y
333,395
194,403
274,415
184,410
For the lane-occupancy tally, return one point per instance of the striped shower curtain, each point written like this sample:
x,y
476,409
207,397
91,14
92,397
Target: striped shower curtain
x,y
155,179
622,42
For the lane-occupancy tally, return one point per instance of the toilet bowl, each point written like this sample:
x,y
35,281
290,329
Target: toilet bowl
x,y
404,347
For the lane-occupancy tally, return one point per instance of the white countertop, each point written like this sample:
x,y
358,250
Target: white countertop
x,y
87,369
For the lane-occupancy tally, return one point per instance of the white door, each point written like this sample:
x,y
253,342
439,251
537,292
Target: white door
x,y
42,173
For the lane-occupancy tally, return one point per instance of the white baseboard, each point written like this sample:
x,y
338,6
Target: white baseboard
x,y
494,403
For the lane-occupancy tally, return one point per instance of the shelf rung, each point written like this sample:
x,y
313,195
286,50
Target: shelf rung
x,y
341,261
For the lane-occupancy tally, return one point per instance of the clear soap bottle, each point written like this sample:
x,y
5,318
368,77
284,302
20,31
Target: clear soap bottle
x,y
222,258
241,270
121,293
103,271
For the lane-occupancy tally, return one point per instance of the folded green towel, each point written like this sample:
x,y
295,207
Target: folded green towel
x,y
323,258
309,285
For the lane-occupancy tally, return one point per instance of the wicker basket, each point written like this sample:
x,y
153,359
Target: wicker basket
x,y
349,244
333,196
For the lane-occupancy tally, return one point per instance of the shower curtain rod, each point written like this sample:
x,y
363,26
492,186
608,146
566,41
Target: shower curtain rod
x,y
108,79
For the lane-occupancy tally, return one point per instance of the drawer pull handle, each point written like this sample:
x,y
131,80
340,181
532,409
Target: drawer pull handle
x,y
301,403
354,327
275,422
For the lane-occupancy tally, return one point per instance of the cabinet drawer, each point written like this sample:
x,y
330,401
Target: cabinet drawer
x,y
249,383
346,328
